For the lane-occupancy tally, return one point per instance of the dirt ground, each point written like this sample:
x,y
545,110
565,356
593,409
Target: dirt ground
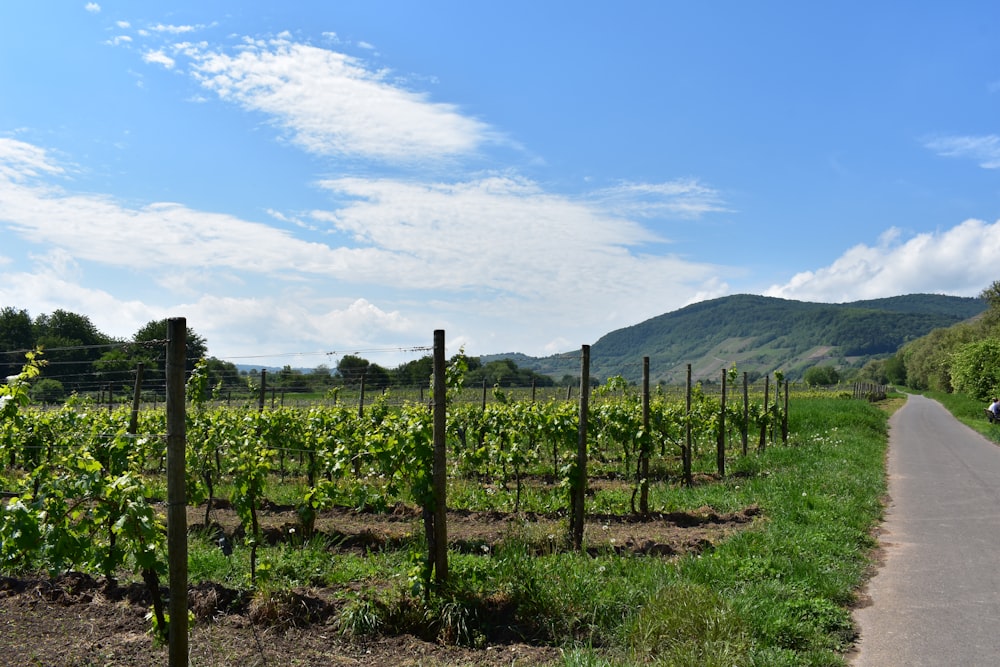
x,y
81,620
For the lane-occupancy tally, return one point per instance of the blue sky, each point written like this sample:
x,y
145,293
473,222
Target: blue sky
x,y
306,180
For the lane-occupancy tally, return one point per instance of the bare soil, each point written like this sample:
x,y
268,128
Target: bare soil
x,y
77,619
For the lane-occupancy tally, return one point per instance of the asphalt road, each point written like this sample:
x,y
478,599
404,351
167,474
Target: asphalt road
x,y
936,599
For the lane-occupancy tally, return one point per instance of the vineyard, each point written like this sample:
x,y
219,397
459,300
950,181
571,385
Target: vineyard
x,y
86,488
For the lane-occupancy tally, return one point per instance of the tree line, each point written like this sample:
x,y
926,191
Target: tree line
x,y
79,358
964,357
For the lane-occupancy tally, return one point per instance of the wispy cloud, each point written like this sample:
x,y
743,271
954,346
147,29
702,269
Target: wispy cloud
x,y
333,104
985,149
686,198
960,260
479,248
20,160
174,29
92,7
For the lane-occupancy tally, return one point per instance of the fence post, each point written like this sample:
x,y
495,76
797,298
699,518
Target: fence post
x,y
176,494
263,390
720,444
133,422
686,454
579,483
440,470
764,422
745,429
646,442
784,418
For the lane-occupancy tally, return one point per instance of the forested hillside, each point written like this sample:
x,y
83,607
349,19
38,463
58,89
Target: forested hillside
x,y
761,334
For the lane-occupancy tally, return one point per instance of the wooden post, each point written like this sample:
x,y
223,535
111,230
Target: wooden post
x,y
784,418
440,470
263,390
176,492
745,430
646,442
720,443
484,394
361,398
578,485
686,456
763,427
133,422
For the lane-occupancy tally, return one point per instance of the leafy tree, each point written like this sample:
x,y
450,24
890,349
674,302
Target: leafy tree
x,y
416,373
895,370
823,375
156,330
873,371
16,336
928,359
291,379
506,373
47,391
320,378
72,344
351,368
991,295
975,369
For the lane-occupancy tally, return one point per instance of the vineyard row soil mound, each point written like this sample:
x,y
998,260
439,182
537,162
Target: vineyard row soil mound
x,y
79,620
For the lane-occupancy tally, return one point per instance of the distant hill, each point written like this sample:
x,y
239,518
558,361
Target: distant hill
x,y
760,334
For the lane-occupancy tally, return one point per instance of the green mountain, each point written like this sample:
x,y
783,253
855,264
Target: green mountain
x,y
760,334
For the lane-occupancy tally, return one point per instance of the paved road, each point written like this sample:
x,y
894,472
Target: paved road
x,y
936,599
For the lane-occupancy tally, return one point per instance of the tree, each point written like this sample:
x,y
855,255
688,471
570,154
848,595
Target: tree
x,y
975,369
71,344
873,371
47,391
824,375
148,347
416,373
895,370
156,331
16,337
351,368
290,378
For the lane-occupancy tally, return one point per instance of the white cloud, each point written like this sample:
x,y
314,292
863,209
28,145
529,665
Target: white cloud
x,y
985,150
45,292
174,29
92,7
160,58
501,234
498,261
686,198
961,260
332,104
20,160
